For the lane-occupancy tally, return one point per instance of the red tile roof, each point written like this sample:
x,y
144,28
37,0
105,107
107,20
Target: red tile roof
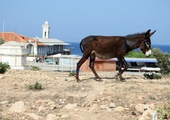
x,y
12,36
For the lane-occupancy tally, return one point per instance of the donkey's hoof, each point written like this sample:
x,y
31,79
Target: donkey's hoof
x,y
78,80
99,80
122,80
116,77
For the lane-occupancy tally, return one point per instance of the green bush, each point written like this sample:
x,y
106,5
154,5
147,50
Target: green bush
x,y
36,86
136,54
163,61
72,73
35,68
1,40
164,112
152,75
4,67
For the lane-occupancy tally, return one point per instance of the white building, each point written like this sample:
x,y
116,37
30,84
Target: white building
x,y
14,54
37,46
53,46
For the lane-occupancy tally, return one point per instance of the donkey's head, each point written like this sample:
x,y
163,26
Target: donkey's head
x,y
145,46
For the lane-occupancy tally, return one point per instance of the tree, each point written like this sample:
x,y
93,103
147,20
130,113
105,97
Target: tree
x,y
163,60
1,40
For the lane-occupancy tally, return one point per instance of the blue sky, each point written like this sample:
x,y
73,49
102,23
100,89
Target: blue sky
x,y
72,20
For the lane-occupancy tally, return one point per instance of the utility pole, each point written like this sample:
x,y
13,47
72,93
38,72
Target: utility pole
x,y
3,27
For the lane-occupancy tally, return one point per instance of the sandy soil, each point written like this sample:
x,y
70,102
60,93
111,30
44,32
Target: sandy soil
x,y
63,98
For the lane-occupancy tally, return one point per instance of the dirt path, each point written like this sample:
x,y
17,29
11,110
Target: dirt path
x,y
63,98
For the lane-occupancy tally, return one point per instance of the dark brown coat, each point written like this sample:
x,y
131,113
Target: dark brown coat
x,y
106,47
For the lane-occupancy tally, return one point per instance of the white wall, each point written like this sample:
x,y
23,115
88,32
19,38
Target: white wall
x,y
15,56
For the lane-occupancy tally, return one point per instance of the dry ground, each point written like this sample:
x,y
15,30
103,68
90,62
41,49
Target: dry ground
x,y
63,98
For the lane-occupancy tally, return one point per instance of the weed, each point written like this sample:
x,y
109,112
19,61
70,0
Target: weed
x,y
36,86
35,68
4,67
164,113
152,75
72,73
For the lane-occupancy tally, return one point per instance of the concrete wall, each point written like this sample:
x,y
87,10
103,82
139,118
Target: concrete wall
x,y
99,65
15,56
69,63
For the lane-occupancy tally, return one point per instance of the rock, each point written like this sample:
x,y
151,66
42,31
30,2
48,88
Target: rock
x,y
146,110
143,107
119,109
34,116
52,107
1,77
142,118
147,114
17,107
141,97
71,106
140,108
94,108
51,117
4,102
65,116
41,109
112,105
103,107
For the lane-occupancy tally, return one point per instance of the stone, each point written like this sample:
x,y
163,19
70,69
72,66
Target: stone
x,y
71,106
51,117
112,105
140,108
147,114
119,108
142,118
94,108
4,102
65,116
18,107
34,116
103,107
41,109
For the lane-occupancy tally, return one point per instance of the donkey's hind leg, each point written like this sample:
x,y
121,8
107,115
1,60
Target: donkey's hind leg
x,y
81,61
91,65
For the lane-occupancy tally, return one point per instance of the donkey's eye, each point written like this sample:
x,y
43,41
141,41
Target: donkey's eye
x,y
147,44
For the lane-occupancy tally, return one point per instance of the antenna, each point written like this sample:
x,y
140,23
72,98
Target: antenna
x,y
3,27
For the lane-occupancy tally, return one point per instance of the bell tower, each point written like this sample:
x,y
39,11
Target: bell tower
x,y
46,30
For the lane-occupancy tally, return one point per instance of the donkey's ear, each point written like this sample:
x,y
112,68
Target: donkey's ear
x,y
147,34
152,33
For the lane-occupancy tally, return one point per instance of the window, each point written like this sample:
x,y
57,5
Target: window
x,y
45,34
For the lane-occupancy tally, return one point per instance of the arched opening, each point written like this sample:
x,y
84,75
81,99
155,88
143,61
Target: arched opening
x,y
30,49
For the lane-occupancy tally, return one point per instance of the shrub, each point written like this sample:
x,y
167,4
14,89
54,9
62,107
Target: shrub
x,y
35,68
4,67
137,54
164,113
72,73
1,40
163,61
152,75
36,86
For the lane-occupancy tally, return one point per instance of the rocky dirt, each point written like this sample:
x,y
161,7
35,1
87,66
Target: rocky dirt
x,y
62,98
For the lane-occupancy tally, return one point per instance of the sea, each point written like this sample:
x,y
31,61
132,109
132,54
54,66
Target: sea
x,y
75,48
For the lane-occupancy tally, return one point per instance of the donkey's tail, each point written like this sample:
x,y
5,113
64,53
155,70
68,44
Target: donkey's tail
x,y
81,47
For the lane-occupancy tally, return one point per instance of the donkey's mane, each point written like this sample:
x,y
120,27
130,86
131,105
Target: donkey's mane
x,y
135,34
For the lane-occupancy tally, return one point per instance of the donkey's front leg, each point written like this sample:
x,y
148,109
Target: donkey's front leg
x,y
125,67
120,64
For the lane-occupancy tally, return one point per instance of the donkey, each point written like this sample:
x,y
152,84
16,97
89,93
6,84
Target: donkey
x,y
107,47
